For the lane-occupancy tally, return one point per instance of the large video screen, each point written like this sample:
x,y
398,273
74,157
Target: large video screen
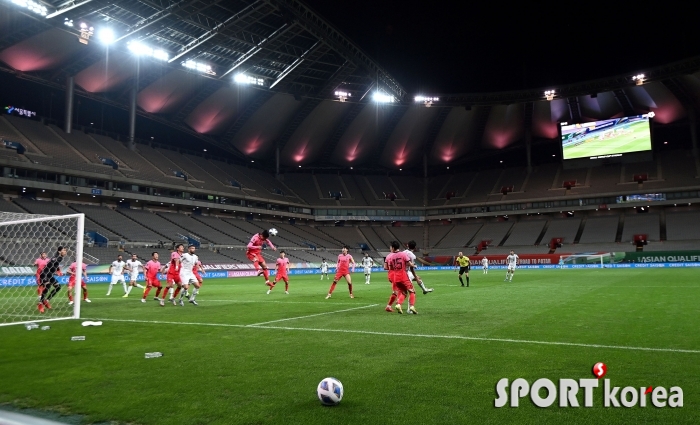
x,y
607,138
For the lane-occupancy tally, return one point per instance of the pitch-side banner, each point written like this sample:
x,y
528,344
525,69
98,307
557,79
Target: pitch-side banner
x,y
525,259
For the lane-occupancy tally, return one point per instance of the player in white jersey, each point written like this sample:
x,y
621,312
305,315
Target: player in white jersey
x,y
132,266
485,265
324,269
116,269
188,261
367,264
412,275
512,263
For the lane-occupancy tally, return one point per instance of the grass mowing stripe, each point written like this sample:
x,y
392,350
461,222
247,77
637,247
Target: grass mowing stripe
x,y
399,334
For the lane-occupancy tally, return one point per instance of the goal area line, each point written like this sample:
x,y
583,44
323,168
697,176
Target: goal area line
x,y
409,335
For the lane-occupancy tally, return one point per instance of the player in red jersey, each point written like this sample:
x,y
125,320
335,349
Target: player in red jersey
x,y
173,276
72,272
343,270
397,263
254,253
40,263
152,268
282,273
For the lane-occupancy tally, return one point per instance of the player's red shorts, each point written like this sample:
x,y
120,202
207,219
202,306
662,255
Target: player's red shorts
x,y
255,256
174,278
153,281
341,273
284,277
403,285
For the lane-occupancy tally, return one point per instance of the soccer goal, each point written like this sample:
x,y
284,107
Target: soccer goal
x,y
601,260
23,238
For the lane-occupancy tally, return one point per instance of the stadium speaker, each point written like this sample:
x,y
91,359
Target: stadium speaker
x,y
641,178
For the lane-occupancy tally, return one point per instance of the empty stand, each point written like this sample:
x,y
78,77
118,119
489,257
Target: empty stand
x,y
460,235
565,228
525,232
54,208
358,198
600,229
408,233
373,238
682,226
493,231
436,233
482,186
348,235
117,223
637,224
7,206
83,144
411,188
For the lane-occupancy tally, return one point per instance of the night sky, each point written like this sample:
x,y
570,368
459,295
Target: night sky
x,y
480,46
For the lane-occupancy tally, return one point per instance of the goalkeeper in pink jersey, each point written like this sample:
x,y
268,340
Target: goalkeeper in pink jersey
x,y
254,253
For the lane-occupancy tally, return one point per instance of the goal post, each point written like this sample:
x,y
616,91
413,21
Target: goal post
x,y
23,237
587,259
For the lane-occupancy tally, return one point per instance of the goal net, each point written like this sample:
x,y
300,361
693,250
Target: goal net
x,y
601,260
23,238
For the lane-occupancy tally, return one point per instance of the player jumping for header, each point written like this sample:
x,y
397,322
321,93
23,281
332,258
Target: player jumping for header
x,y
254,253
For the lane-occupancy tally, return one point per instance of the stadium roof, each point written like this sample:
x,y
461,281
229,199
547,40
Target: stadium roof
x,y
296,62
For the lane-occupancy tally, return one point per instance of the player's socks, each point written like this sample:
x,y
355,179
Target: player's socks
x,y
400,299
392,299
350,289
177,291
461,281
467,280
147,290
195,291
109,289
128,290
411,298
286,287
124,285
138,285
85,294
330,291
266,274
70,296
54,291
422,286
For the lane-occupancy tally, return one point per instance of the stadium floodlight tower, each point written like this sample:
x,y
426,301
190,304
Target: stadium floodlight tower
x,y
639,79
381,97
549,94
25,295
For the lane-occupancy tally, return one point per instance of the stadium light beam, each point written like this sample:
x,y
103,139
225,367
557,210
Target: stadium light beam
x,y
67,9
140,49
549,94
426,100
639,79
198,66
241,78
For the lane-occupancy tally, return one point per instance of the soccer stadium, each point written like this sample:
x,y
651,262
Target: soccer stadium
x,y
312,212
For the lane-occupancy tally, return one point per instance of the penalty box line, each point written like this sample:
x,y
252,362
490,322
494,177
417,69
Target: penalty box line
x,y
403,335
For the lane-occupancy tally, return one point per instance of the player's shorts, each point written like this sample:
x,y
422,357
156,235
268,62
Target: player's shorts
x,y
486,266
153,281
403,286
49,281
255,256
187,278
71,284
464,269
324,271
368,270
410,275
116,279
511,268
173,278
341,273
133,277
283,277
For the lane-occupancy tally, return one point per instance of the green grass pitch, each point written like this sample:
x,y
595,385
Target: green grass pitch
x,y
634,141
244,357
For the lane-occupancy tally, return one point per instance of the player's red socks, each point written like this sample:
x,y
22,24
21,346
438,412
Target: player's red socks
x,y
84,293
330,291
286,287
70,295
177,292
402,297
147,290
392,299
266,274
158,288
350,288
412,298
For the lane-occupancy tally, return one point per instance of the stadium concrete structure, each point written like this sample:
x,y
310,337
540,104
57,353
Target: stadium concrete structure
x,y
285,106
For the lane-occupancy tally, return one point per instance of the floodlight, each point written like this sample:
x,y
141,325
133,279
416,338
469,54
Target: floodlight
x,y
197,66
639,79
32,6
380,97
342,95
426,100
106,35
241,78
549,94
68,22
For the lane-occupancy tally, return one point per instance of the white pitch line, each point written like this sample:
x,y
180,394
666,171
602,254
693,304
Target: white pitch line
x,y
313,315
240,301
458,337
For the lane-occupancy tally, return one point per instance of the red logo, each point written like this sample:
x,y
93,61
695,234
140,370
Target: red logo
x,y
599,370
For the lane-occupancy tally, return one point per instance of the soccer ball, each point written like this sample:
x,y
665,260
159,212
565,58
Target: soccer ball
x,y
273,232
330,391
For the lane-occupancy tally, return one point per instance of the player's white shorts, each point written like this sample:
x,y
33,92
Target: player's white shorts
x,y
486,266
116,279
511,267
133,277
410,275
324,271
368,270
187,278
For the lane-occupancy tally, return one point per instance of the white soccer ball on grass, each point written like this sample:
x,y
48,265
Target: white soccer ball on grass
x,y
330,391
